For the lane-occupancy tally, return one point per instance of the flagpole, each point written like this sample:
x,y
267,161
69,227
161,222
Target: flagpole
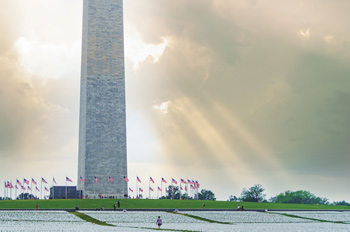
x,y
149,187
180,188
53,189
41,188
66,187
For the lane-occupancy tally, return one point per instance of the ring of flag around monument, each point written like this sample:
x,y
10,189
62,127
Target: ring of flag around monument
x,y
43,180
151,179
67,179
96,180
33,181
110,179
81,179
164,181
138,179
126,179
174,181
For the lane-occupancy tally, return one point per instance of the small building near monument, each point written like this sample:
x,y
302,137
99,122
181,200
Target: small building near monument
x,y
59,192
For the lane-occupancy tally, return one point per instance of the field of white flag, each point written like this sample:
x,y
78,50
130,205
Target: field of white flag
x,y
182,221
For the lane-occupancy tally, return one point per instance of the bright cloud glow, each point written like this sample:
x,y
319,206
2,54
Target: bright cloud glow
x,y
138,51
163,108
42,58
329,38
304,33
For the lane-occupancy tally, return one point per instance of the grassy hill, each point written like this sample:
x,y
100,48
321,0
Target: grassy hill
x,y
156,204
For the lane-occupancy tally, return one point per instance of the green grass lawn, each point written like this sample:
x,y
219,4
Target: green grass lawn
x,y
155,204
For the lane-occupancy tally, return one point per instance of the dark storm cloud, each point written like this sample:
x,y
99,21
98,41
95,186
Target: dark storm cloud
x,y
279,69
35,114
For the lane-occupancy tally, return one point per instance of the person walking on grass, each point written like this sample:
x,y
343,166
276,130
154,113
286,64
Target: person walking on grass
x,y
159,222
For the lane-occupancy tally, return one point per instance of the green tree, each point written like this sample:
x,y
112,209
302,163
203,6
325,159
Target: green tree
x,y
233,198
173,192
25,196
300,197
341,203
206,195
253,194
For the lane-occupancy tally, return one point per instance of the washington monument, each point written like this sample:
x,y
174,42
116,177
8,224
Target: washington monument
x,y
102,130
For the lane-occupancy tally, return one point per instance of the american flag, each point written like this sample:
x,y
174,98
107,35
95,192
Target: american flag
x,y
183,181
81,179
131,190
26,181
192,187
150,178
46,189
36,188
96,180
126,179
6,185
173,181
67,179
43,180
186,188
16,187
197,184
23,187
151,189
181,188
53,178
140,189
29,188
163,180
172,189
189,181
138,179
33,181
19,182
110,179
159,189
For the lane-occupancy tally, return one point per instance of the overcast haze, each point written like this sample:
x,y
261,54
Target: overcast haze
x,y
229,93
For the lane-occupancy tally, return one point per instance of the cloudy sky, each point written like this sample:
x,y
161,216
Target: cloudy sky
x,y
229,93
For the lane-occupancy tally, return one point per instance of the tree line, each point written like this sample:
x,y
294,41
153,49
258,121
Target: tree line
x,y
255,194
